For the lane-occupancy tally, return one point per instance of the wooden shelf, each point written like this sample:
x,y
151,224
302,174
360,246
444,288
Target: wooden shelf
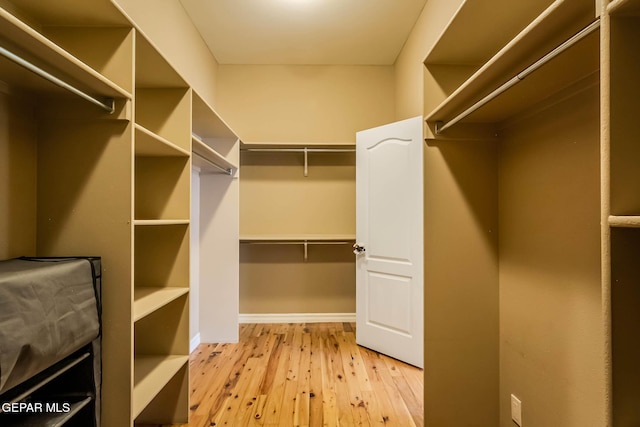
x,y
152,145
459,42
156,222
211,155
624,8
626,221
42,52
556,24
146,300
151,374
206,121
95,13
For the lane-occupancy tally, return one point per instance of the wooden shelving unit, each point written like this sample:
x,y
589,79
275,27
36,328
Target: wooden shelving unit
x,y
216,159
506,162
114,185
161,238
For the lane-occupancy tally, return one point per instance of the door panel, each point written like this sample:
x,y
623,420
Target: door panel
x,y
389,223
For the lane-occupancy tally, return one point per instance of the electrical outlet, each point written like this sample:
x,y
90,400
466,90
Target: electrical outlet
x,y
516,410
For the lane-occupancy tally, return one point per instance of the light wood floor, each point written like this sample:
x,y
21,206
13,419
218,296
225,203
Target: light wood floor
x,y
313,374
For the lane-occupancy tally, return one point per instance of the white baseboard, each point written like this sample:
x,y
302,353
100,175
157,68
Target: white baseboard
x,y
195,342
296,317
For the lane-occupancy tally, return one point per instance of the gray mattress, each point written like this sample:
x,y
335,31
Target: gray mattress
x,y
48,310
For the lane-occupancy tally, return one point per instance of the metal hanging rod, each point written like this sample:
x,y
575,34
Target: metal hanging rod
x,y
106,104
441,126
226,171
302,150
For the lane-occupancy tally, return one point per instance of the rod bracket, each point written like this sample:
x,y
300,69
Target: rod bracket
x,y
438,127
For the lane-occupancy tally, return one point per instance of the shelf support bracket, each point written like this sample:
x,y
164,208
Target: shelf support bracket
x,y
306,163
306,250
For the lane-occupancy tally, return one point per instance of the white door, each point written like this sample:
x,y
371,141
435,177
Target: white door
x,y
389,240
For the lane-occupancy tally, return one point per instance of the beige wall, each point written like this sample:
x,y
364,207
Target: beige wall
x,y
18,142
409,74
551,338
304,103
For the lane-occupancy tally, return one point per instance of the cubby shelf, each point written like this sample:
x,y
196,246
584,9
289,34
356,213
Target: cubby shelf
x,y
151,374
153,145
146,300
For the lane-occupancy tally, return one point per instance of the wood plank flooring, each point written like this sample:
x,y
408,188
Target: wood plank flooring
x,y
300,375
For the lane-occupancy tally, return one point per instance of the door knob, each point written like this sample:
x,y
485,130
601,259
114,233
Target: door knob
x,y
358,249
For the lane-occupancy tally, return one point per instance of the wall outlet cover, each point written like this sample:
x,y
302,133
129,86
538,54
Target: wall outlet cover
x,y
516,410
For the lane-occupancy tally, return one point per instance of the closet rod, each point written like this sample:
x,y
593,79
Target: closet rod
x,y
302,150
226,171
441,126
107,104
296,242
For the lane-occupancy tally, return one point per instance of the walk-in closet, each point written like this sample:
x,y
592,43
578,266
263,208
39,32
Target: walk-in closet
x,y
206,157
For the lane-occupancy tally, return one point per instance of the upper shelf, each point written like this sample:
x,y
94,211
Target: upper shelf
x,y
459,42
207,123
31,45
561,20
95,13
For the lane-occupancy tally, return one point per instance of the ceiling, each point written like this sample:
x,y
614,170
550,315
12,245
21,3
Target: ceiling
x,y
342,32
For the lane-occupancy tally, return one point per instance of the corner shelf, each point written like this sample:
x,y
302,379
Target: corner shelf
x,y
553,26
